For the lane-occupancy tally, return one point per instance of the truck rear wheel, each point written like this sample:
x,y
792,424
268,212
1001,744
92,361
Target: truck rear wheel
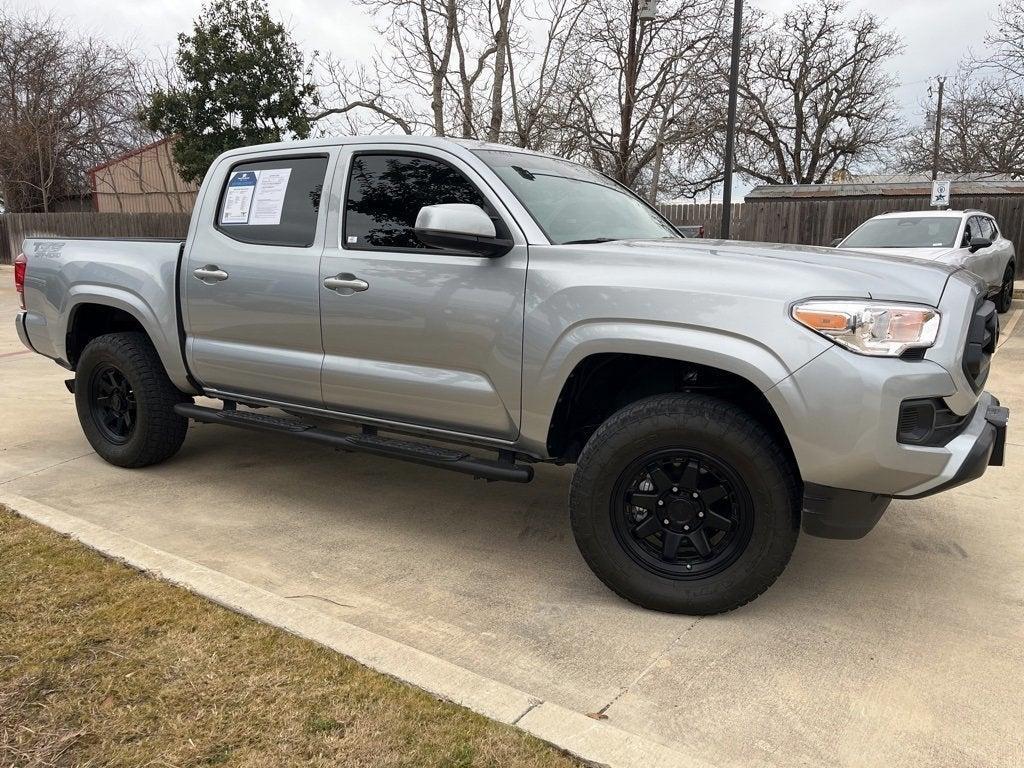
x,y
125,401
686,504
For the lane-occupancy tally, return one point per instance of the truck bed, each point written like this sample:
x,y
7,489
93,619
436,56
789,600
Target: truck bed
x,y
136,274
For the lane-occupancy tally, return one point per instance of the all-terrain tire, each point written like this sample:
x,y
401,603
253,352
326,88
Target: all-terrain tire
x,y
154,431
1004,299
724,434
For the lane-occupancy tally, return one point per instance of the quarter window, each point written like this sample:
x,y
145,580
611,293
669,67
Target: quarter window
x,y
386,192
273,202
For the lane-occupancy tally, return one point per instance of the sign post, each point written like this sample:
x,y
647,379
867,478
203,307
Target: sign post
x,y
940,194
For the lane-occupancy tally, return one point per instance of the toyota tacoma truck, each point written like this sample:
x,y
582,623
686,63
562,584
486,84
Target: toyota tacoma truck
x,y
481,308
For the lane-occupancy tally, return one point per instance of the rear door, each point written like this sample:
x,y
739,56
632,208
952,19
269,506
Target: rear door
x,y
250,283
1001,252
431,337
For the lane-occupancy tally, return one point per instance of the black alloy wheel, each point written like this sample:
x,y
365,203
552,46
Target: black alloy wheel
x,y
682,514
113,406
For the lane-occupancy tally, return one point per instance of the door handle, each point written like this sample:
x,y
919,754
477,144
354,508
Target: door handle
x,y
210,274
346,284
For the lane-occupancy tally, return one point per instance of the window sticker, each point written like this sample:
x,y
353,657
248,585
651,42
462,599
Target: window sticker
x,y
268,199
238,200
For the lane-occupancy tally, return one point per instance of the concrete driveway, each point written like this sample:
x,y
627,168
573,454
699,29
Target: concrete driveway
x,y
903,649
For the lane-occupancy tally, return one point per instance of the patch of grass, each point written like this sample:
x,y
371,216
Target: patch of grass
x,y
102,665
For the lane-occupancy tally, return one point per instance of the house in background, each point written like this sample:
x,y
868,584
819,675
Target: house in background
x,y
144,180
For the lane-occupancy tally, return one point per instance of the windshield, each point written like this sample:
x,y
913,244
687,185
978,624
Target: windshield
x,y
572,203
906,232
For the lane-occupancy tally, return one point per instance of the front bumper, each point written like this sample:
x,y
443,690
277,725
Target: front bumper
x,y
838,513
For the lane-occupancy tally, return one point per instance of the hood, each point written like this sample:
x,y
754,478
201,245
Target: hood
x,y
922,254
788,272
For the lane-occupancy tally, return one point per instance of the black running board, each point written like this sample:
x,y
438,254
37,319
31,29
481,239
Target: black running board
x,y
365,442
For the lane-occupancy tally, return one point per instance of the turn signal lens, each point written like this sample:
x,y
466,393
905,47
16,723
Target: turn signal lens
x,y
822,321
871,328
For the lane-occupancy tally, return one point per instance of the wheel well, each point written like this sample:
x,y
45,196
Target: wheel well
x,y
602,384
92,320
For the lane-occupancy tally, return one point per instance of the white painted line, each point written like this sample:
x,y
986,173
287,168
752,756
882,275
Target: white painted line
x,y
592,740
1006,330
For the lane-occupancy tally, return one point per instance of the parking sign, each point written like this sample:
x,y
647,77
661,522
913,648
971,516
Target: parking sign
x,y
940,193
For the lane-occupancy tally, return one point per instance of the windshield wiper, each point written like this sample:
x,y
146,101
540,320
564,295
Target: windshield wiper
x,y
592,240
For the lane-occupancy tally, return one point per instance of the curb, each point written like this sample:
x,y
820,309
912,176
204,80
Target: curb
x,y
594,741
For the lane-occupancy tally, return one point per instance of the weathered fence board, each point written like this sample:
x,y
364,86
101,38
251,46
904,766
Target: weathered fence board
x,y
707,215
15,227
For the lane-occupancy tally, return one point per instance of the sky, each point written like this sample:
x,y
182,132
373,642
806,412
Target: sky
x,y
936,34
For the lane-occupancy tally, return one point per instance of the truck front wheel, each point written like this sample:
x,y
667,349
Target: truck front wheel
x,y
685,503
125,401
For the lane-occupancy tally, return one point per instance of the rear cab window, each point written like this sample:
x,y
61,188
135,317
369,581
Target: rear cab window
x,y
273,201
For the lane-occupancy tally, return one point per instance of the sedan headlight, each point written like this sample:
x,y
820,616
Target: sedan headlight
x,y
871,327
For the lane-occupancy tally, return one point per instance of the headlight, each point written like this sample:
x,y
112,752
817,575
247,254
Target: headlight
x,y
871,327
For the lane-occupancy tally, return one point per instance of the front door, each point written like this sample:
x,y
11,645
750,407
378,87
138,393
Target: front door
x,y
414,334
250,286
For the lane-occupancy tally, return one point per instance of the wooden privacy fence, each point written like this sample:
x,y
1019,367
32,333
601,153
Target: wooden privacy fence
x,y
815,215
15,227
707,215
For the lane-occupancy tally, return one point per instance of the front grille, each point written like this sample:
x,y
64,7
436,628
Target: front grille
x,y
982,337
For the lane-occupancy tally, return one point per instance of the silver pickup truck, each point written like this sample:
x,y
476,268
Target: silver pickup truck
x,y
480,308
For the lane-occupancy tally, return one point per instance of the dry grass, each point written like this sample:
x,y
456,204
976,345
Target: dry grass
x,y
103,666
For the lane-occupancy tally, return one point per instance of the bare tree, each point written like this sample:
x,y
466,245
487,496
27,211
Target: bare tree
x,y
982,131
1005,41
643,94
576,77
66,103
814,96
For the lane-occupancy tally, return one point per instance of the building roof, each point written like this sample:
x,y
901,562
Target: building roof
x,y
898,189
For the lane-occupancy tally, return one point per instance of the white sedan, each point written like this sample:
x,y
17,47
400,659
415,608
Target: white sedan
x,y
969,239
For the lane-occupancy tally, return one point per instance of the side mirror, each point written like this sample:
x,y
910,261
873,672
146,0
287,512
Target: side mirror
x,y
977,243
835,242
460,227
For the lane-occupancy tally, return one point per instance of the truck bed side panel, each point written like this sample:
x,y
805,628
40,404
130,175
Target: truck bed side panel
x,y
137,276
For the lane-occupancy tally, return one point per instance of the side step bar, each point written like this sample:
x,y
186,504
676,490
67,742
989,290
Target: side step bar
x,y
367,442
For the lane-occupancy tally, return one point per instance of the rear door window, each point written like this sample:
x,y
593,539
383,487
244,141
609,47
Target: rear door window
x,y
273,202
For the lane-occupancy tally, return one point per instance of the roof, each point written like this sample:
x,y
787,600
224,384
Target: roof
x,y
918,178
929,214
900,189
440,142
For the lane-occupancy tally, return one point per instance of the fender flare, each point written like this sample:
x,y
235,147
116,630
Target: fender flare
x,y
739,355
153,323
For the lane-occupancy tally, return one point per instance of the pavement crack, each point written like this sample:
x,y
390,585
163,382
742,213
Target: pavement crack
x,y
319,597
45,469
600,714
533,705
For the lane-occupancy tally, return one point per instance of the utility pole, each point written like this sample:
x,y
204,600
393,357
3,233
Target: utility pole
x,y
730,128
938,129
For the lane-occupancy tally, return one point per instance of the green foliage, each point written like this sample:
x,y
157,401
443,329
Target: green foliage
x,y
242,81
